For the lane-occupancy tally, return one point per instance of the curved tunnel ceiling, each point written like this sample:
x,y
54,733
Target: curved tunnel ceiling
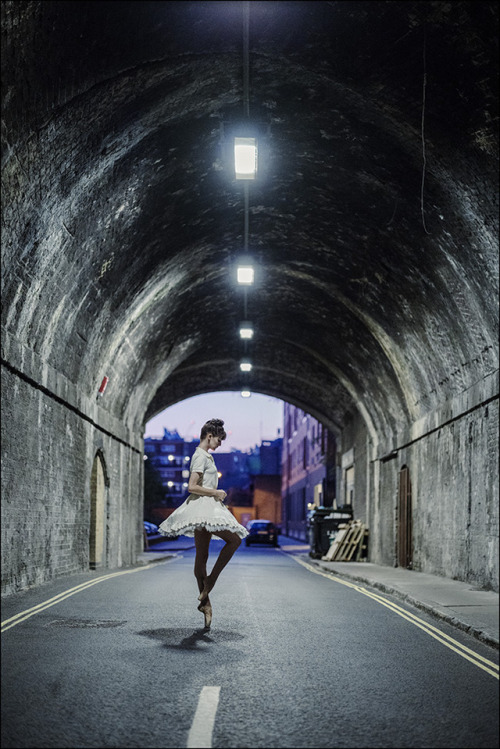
x,y
373,220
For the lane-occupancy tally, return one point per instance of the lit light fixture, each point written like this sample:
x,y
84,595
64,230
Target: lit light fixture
x,y
170,483
219,474
246,366
170,457
245,158
245,393
245,274
246,330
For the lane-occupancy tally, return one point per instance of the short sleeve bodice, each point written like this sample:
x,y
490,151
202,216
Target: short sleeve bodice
x,y
202,462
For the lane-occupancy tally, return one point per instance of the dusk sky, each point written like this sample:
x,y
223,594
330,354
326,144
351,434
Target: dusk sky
x,y
247,421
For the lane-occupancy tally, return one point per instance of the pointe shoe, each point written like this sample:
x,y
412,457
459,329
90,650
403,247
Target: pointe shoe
x,y
206,610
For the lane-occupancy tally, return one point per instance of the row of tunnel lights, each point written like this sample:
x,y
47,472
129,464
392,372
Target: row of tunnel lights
x,y
245,167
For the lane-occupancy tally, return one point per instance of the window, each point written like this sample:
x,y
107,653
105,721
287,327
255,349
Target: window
x,y
166,474
349,485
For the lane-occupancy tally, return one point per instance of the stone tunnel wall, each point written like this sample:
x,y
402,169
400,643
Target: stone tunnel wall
x,y
452,456
50,438
120,227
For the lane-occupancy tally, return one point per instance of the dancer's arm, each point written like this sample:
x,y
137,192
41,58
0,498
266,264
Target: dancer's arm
x,y
194,487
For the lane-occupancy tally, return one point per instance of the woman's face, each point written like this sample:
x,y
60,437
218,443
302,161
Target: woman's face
x,y
214,442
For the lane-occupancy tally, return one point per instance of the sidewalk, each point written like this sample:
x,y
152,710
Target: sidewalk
x,y
161,544
460,604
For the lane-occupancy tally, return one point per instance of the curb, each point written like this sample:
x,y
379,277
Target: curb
x,y
157,557
436,613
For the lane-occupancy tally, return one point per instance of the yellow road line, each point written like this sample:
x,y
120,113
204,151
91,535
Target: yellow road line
x,y
478,660
399,609
23,615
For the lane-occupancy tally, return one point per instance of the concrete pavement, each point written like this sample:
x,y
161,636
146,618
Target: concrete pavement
x,y
461,604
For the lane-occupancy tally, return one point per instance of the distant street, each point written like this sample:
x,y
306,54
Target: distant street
x,y
293,659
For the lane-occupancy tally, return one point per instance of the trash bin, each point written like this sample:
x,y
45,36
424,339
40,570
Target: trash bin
x,y
322,526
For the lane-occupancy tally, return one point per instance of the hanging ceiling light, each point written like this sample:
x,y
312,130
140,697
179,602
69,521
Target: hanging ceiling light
x,y
245,365
245,158
246,330
245,274
245,393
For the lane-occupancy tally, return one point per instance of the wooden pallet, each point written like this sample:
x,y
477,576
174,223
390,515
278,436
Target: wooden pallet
x,y
348,543
337,542
362,549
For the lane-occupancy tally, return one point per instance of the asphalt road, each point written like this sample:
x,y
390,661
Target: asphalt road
x,y
293,659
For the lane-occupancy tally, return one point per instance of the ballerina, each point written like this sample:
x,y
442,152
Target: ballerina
x,y
204,514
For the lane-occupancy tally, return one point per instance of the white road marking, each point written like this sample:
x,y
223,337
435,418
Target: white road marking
x,y
200,735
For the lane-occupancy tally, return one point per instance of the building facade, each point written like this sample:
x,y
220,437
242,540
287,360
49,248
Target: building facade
x,y
243,476
266,480
170,456
309,473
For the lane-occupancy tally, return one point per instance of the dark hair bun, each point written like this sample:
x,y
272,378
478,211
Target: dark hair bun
x,y
215,427
216,422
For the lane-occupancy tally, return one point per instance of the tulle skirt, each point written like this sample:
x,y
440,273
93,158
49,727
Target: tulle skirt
x,y
201,512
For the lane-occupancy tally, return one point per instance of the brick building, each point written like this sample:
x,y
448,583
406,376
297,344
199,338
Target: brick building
x,y
309,475
266,480
170,456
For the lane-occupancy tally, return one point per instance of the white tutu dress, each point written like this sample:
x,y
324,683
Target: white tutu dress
x,y
202,511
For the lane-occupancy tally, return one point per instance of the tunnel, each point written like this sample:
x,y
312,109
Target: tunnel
x,y
371,223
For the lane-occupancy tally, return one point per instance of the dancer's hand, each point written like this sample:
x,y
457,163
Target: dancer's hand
x,y
220,495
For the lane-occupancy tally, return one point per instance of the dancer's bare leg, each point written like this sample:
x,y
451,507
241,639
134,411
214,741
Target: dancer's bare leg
x,y
232,542
202,540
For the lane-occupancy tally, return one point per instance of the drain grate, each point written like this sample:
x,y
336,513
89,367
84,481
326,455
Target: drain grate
x,y
85,623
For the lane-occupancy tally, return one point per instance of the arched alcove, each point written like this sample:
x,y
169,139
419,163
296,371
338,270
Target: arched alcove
x,y
404,520
98,513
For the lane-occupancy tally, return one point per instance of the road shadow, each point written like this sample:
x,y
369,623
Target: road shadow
x,y
187,639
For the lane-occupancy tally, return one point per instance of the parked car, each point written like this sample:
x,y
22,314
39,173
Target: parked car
x,y
150,528
261,532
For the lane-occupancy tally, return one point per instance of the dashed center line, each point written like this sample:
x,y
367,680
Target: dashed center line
x,y
200,734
